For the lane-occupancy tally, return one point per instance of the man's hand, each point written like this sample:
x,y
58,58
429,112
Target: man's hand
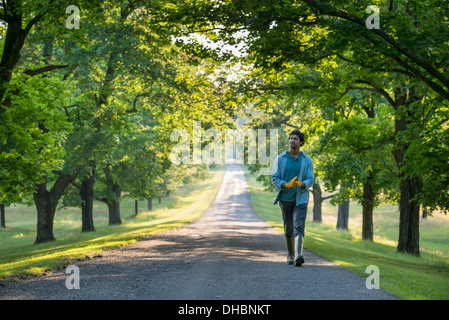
x,y
299,184
292,183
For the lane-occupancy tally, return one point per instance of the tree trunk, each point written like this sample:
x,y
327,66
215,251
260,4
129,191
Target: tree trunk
x,y
424,213
150,204
409,217
46,203
343,216
87,197
46,208
114,213
343,213
136,206
113,205
13,43
2,215
367,212
317,203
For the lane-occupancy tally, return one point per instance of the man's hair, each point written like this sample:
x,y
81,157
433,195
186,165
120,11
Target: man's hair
x,y
300,135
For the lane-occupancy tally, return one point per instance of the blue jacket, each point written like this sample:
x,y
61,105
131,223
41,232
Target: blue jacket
x,y
305,175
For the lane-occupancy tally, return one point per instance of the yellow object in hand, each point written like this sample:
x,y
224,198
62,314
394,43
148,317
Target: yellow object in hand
x,y
292,183
299,184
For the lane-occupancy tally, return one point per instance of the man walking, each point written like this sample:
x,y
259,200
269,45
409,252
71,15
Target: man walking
x,y
292,175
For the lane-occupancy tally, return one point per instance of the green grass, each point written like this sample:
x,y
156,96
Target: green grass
x,y
403,275
20,257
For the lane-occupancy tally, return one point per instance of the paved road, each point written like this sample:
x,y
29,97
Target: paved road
x,y
229,253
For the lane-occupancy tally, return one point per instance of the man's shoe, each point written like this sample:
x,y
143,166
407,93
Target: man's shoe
x,y
299,261
299,258
290,241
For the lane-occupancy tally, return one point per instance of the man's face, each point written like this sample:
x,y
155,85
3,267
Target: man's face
x,y
294,141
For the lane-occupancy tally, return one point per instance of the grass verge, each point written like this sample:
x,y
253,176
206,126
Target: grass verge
x,y
20,257
403,275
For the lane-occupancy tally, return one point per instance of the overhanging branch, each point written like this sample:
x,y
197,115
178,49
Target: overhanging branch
x,y
44,69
